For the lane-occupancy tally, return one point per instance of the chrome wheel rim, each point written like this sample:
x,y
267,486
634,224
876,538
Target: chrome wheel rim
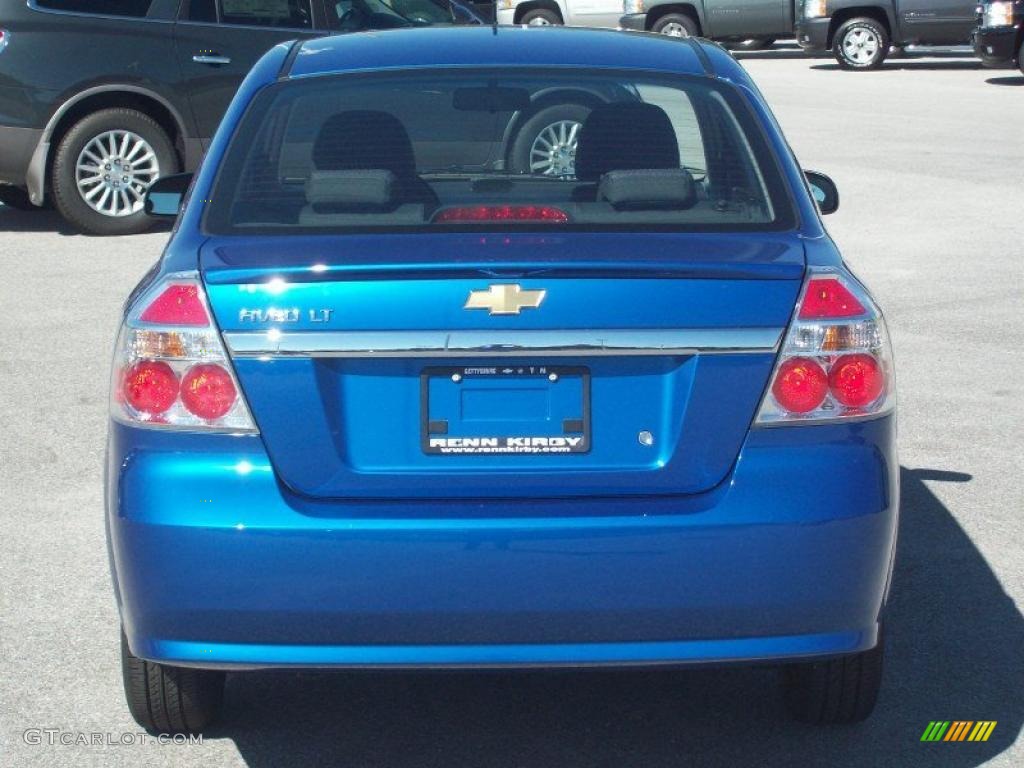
x,y
675,29
538,21
861,45
554,150
113,172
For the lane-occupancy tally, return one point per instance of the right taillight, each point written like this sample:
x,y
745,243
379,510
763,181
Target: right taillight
x,y
836,360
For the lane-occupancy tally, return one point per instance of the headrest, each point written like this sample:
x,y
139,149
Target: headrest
x,y
648,190
364,139
625,136
373,188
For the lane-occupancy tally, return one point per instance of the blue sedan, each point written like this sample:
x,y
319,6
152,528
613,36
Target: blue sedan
x,y
483,347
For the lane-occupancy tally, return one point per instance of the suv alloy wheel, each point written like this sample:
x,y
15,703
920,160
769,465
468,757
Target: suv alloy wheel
x,y
546,142
103,167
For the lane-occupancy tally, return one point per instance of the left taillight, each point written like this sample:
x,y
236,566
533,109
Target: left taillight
x,y
170,367
836,361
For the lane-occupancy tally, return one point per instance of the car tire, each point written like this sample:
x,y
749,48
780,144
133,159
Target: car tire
x,y
833,691
860,43
752,44
546,126
16,198
165,699
676,25
541,17
70,189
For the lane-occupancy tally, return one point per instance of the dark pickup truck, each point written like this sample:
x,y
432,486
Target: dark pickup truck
x,y
860,33
999,39
746,24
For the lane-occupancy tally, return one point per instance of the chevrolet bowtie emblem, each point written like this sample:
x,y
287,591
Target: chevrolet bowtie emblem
x,y
504,299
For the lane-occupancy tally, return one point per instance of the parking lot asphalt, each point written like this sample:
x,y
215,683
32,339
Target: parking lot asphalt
x,y
928,157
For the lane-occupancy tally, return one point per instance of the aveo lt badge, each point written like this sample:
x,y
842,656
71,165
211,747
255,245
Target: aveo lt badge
x,y
506,299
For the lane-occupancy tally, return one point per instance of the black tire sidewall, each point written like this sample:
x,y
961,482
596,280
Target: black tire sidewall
x,y
680,18
166,699
526,134
64,184
838,690
550,15
876,28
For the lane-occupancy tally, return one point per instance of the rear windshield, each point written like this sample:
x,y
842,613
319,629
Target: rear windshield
x,y
435,151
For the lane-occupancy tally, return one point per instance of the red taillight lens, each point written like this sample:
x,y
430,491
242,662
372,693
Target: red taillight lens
x,y
150,387
856,380
178,304
485,213
171,370
826,297
800,385
835,361
207,391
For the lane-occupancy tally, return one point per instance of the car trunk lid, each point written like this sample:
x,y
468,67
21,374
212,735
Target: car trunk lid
x,y
638,373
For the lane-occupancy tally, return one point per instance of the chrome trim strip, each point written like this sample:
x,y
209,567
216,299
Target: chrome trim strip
x,y
562,343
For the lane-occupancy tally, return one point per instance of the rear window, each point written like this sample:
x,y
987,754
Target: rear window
x,y
440,150
294,14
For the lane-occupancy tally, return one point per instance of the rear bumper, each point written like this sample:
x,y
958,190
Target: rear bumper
x,y
998,47
812,34
216,565
17,146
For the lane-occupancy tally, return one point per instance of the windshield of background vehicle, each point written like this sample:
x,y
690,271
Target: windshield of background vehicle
x,y
443,149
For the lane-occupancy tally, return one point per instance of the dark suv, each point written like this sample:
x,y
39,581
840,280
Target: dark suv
x,y
100,97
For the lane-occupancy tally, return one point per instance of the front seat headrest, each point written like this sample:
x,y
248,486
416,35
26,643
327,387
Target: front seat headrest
x,y
362,140
625,136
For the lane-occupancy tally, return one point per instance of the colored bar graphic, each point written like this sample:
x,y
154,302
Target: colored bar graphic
x,y
958,730
935,730
982,730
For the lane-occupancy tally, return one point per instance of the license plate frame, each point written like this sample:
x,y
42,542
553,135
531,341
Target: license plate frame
x,y
574,437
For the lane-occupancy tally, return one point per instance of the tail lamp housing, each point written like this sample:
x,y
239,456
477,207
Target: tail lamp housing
x,y
170,367
836,360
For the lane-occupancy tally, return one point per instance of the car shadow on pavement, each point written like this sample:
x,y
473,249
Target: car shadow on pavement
x,y
910,63
779,55
1019,80
39,220
954,636
48,220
